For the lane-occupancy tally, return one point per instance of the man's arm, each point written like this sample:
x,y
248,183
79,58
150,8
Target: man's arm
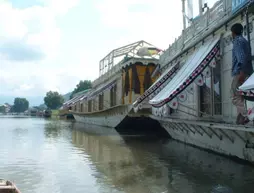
x,y
240,54
241,58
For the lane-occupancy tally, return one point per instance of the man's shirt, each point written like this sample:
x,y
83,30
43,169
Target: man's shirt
x,y
241,53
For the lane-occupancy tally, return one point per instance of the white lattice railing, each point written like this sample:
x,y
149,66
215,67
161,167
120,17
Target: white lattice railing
x,y
199,26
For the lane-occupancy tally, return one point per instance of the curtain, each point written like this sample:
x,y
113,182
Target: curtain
x,y
135,80
147,79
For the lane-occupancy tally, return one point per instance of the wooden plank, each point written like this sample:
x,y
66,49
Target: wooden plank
x,y
215,133
7,188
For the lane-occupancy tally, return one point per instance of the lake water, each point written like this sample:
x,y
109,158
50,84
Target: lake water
x,y
55,156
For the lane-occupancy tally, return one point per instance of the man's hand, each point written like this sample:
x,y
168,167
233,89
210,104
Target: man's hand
x,y
241,77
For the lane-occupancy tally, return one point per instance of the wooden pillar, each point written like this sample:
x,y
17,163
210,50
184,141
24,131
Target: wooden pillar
x,y
200,5
130,91
184,14
190,8
123,93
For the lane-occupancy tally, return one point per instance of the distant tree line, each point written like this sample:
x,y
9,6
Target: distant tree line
x,y
54,100
20,105
2,109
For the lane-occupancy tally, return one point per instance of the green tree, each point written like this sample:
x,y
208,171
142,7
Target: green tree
x,y
2,109
20,105
41,107
53,100
81,86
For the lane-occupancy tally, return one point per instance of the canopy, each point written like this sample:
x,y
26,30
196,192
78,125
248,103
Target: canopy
x,y
70,101
102,88
248,84
76,99
192,69
146,51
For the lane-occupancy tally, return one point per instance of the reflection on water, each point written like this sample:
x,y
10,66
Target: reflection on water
x,y
42,155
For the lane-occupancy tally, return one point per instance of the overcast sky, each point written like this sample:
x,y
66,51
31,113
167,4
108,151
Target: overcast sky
x,y
52,44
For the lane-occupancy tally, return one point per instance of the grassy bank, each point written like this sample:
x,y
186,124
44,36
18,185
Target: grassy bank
x,y
55,113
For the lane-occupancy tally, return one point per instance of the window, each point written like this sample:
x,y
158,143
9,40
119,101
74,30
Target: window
x,y
135,79
210,93
217,99
89,106
101,100
81,107
94,105
113,96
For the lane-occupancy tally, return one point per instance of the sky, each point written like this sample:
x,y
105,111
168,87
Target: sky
x,y
52,44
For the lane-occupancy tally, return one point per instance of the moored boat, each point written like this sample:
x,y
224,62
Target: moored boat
x,y
8,187
192,98
125,73
47,113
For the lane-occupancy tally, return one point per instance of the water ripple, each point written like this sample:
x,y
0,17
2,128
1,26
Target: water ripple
x,y
56,156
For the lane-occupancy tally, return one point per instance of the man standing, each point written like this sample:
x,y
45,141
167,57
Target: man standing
x,y
241,69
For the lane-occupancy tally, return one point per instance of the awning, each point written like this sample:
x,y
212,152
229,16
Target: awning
x,y
102,88
156,87
70,101
76,99
248,84
247,88
84,96
191,71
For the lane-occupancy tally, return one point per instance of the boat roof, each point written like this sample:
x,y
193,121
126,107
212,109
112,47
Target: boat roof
x,y
81,92
101,88
119,54
248,84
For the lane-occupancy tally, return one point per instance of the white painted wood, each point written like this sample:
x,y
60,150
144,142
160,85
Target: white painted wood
x,y
191,64
107,118
105,121
248,84
229,140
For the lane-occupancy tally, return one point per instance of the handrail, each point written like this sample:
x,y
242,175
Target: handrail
x,y
219,15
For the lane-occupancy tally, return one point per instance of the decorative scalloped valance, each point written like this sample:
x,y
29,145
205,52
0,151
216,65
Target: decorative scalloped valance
x,y
193,70
156,87
247,88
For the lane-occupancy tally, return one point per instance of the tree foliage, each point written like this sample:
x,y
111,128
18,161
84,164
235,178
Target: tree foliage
x,y
81,86
2,109
53,100
20,105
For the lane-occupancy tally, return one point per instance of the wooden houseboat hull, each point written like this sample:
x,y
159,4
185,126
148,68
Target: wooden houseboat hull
x,y
108,118
230,140
121,81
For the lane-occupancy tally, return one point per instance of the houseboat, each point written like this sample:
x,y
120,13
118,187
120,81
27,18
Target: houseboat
x,y
192,99
124,75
